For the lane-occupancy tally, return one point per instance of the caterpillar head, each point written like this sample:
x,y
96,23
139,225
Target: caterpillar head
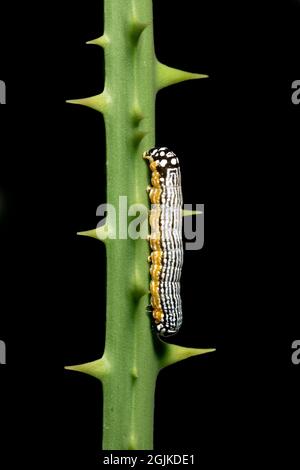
x,y
164,157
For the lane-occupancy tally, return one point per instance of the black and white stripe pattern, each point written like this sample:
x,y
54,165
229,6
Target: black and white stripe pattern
x,y
170,224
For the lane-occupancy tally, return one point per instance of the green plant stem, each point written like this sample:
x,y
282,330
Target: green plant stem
x,y
128,388
133,356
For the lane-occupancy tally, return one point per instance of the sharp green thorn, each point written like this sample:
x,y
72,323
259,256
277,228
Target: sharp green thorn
x,y
88,233
98,102
187,213
174,353
100,233
102,41
97,369
166,76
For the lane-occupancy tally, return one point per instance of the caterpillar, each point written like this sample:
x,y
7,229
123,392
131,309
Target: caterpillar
x,y
165,240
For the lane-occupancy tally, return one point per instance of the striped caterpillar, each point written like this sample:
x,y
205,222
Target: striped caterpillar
x,y
165,240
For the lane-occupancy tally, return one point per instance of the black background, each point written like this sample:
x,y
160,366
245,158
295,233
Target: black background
x,y
237,133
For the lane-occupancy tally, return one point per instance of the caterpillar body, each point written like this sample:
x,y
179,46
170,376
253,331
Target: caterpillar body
x,y
166,257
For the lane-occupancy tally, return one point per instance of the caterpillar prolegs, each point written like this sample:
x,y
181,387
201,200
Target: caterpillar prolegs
x,y
166,257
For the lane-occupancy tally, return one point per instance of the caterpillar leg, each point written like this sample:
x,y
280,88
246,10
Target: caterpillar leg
x,y
149,309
